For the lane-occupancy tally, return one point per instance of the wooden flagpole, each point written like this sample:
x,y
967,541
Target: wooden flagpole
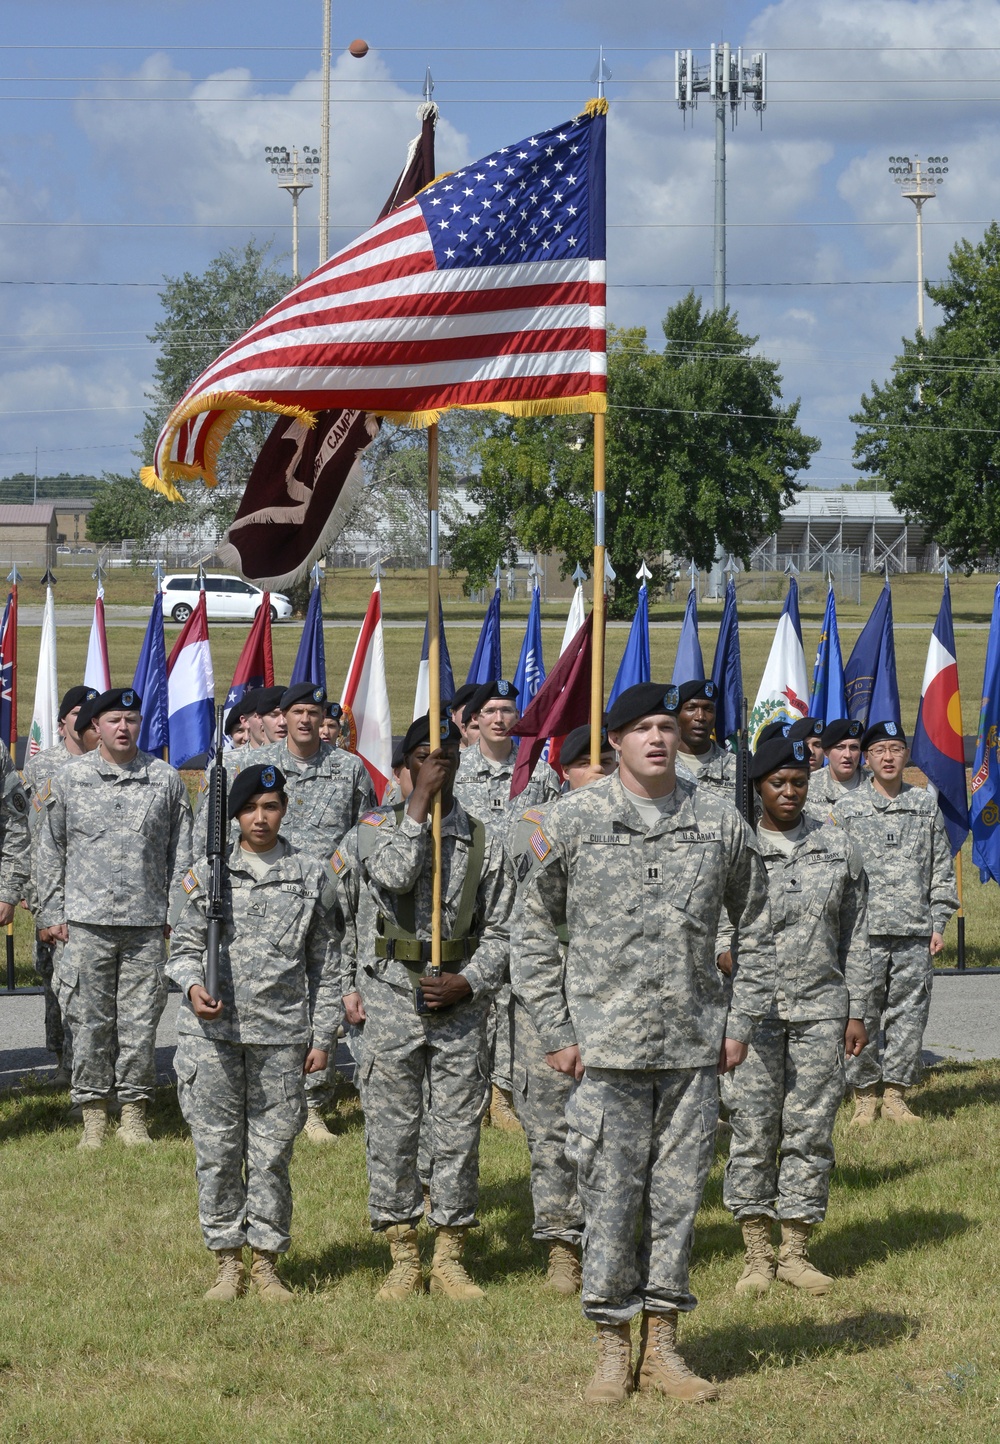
x,y
597,672
434,684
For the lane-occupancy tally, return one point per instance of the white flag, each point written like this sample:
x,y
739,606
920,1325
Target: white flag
x,y
575,620
366,722
44,718
97,673
784,688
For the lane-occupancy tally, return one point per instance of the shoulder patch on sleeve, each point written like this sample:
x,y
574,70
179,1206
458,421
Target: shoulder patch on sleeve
x,y
189,882
533,815
539,844
338,862
18,801
374,819
524,867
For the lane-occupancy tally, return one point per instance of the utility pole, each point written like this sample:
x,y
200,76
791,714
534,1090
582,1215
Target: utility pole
x,y
728,82
283,164
324,143
922,184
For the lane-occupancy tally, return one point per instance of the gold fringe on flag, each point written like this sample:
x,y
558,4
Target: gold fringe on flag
x,y
593,402
229,404
598,106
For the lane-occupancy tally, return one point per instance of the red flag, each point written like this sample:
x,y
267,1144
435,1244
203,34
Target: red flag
x,y
366,722
306,479
255,667
561,703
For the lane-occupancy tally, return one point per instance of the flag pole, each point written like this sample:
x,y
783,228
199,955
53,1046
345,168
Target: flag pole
x,y
597,669
961,911
434,685
14,578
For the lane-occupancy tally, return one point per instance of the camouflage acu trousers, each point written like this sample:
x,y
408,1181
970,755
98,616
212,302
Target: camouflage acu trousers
x,y
782,1103
244,1104
111,985
403,1054
902,975
642,1143
541,1095
499,1039
57,1034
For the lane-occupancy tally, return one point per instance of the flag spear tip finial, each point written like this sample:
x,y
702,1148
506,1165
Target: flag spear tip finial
x,y
600,74
428,85
48,580
579,576
14,575
643,574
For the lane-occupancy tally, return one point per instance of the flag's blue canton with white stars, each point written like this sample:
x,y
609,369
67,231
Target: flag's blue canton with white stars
x,y
526,202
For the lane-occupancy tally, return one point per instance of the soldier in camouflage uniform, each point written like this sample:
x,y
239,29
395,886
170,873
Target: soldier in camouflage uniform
x,y
267,721
541,1094
841,743
483,788
328,790
237,726
699,758
421,1029
457,705
902,838
638,868
332,724
783,1100
116,831
36,780
241,1057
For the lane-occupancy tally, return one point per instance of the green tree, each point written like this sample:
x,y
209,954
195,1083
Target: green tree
x,y
930,432
701,452
202,315
125,510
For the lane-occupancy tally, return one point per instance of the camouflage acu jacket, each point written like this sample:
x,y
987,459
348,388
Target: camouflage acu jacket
x,y
483,789
642,908
279,955
719,771
907,857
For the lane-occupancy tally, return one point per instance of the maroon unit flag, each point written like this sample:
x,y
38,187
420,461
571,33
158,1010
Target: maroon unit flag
x,y
560,704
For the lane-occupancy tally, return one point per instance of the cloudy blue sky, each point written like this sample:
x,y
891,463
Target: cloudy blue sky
x,y
132,136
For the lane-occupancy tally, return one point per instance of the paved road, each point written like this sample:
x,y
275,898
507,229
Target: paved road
x,y
964,1026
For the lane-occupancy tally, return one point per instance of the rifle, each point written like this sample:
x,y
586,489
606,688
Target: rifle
x,y
218,838
744,787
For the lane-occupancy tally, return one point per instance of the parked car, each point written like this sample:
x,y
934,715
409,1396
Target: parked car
x,y
227,598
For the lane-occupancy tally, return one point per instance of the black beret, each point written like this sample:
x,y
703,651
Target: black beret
x,y
85,716
125,699
303,692
418,733
883,731
462,695
576,744
805,727
334,711
645,699
234,717
772,730
497,688
839,730
73,698
700,687
251,781
266,699
776,753
397,755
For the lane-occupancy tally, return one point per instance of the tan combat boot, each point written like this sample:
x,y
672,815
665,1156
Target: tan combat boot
x,y
230,1280
759,1263
564,1274
316,1130
866,1102
264,1278
793,1260
132,1129
894,1105
95,1123
661,1368
405,1276
448,1276
612,1381
502,1113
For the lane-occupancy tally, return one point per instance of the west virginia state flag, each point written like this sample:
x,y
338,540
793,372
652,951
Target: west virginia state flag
x,y
938,745
986,768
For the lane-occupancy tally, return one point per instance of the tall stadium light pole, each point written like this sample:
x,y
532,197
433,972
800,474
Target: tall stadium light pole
x,y
324,143
922,184
292,178
728,81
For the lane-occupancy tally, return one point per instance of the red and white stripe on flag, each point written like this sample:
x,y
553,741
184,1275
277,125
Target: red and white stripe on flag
x,y
486,291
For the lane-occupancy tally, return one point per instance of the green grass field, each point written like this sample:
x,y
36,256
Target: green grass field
x,y
104,1337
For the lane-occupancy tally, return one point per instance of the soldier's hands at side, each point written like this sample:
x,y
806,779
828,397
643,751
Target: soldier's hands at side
x,y
58,933
731,1055
855,1037
724,963
448,989
167,930
937,943
568,1061
204,1005
355,1009
316,1060
6,913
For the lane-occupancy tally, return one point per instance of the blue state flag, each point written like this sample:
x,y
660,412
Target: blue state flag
x,y
150,681
727,671
870,674
310,659
530,672
487,664
827,699
986,768
634,666
421,696
689,665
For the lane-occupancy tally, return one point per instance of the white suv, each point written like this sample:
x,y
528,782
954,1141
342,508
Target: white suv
x,y
227,599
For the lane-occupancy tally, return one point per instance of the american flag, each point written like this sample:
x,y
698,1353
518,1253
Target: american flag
x,y
486,290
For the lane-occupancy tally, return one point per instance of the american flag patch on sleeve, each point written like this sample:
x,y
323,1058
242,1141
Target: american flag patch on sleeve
x,y
539,844
338,862
533,815
189,882
374,819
